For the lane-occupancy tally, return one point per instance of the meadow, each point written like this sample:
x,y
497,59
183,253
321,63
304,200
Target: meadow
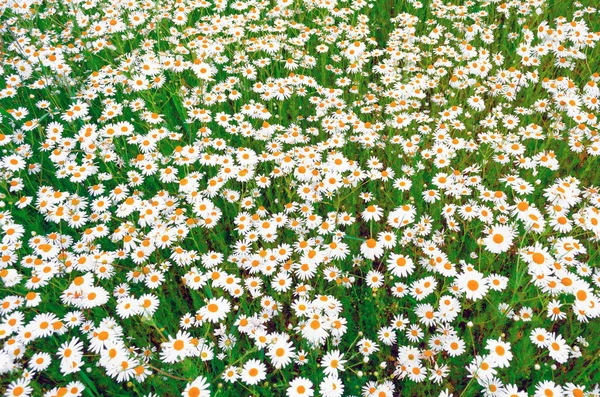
x,y
294,198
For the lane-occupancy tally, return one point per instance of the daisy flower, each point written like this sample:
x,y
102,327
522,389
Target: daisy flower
x,y
558,348
331,386
39,361
71,353
500,352
315,330
367,347
454,346
19,388
198,388
216,309
281,353
374,279
400,265
554,311
372,213
420,289
253,372
148,304
499,239
473,284
127,307
337,250
387,335
416,372
231,374
176,348
371,249
497,282
300,387
333,362
547,388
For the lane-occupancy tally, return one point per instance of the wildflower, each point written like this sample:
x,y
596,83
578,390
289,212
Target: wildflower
x,y
176,348
18,388
39,361
253,372
331,386
497,282
71,354
198,388
315,330
387,335
500,352
416,372
473,284
400,265
554,311
333,362
216,310
367,347
558,348
374,279
499,239
420,289
371,249
454,346
13,163
414,333
231,374
372,213
547,388
281,353
299,387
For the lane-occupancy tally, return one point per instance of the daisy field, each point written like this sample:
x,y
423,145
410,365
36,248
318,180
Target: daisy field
x,y
299,198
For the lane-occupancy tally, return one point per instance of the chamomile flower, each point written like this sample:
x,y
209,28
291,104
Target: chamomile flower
x,y
374,279
300,387
331,386
499,239
19,388
198,388
372,213
216,309
400,265
473,284
176,349
333,362
558,348
500,352
281,353
39,361
371,249
253,372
